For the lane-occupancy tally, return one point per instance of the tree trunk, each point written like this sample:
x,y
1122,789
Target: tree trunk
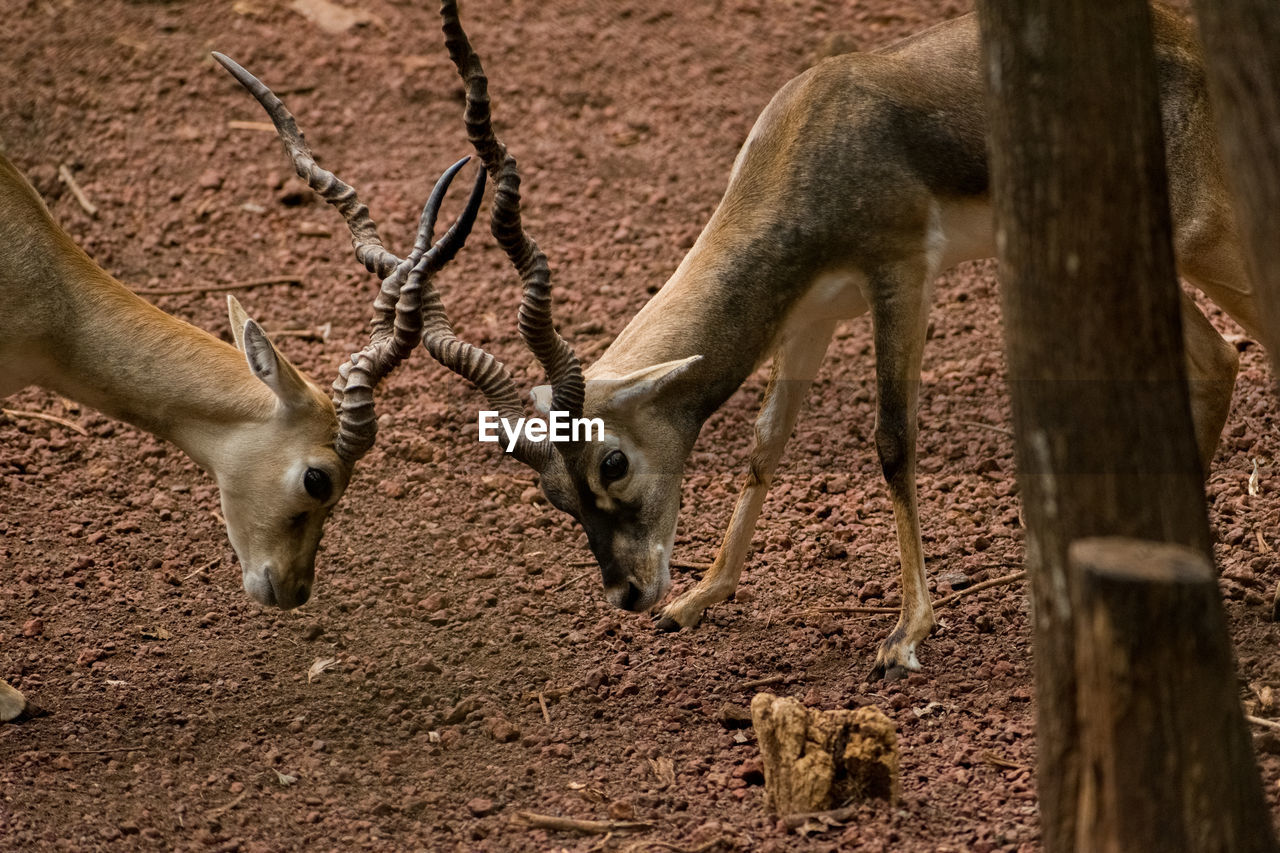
x,y
1243,64
1091,316
1167,761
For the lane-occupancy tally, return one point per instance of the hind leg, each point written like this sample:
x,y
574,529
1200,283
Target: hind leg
x,y
899,312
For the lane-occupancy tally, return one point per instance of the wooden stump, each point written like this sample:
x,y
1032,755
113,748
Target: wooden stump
x,y
1167,763
12,702
818,760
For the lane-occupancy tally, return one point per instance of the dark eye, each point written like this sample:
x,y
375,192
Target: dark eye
x,y
317,484
613,467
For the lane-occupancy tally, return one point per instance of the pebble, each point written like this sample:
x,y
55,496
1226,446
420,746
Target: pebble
x,y
210,179
481,806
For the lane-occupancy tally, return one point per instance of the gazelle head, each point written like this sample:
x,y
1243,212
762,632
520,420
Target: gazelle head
x,y
281,476
624,488
290,469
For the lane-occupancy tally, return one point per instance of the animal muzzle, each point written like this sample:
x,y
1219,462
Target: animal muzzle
x,y
273,588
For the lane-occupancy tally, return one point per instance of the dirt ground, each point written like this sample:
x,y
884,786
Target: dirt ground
x,y
457,664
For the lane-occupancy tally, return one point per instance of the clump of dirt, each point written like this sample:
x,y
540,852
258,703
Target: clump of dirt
x,y
457,663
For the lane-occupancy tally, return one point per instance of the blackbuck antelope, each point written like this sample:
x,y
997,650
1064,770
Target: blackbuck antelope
x,y
281,452
863,179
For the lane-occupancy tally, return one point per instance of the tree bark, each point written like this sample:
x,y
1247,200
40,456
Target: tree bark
x,y
1167,760
1243,65
1104,440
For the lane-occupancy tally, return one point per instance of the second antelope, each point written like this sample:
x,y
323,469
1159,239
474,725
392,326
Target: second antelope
x,y
863,179
281,452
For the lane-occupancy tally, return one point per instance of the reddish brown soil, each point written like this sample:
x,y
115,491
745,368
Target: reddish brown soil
x,y
450,598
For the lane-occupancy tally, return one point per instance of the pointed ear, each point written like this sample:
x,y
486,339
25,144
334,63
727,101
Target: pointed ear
x,y
541,396
273,369
648,382
238,318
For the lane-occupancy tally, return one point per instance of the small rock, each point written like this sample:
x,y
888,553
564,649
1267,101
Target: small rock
x,y
501,730
622,810
393,489
870,590
734,716
210,179
314,631
461,710
750,772
434,602
1268,742
428,664
481,807
33,628
957,581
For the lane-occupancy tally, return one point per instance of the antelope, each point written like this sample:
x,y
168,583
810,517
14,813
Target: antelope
x,y
281,452
864,178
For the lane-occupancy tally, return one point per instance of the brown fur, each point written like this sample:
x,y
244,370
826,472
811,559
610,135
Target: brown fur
x,y
864,178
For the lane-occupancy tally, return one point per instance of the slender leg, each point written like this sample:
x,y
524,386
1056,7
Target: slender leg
x,y
12,703
794,366
1212,364
899,313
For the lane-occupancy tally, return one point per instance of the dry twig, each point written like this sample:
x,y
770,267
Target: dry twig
x,y
646,843
99,751
570,582
218,288
212,813
840,815
687,567
1259,721
64,175
542,703
41,416
206,567
992,427
979,587
582,827
945,601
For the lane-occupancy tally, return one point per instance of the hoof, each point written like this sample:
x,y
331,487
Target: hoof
x,y
887,673
667,625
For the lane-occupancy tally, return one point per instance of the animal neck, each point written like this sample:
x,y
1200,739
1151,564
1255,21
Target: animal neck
x,y
726,302
131,361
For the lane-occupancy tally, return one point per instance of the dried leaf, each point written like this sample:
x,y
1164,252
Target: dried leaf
x,y
285,779
320,665
156,633
665,771
591,795
1253,480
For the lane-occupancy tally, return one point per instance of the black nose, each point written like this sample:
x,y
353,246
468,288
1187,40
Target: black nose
x,y
632,598
304,592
